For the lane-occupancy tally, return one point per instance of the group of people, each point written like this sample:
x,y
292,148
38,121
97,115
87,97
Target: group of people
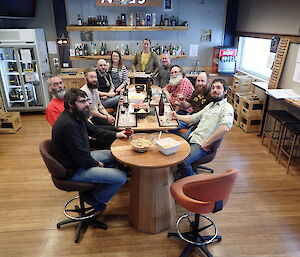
x,y
81,121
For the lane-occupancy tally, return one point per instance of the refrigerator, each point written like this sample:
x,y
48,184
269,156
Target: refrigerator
x,y
224,60
23,68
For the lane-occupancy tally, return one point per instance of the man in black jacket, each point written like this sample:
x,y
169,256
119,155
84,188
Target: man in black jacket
x,y
71,145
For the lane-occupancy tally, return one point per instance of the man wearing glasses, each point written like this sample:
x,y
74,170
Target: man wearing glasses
x,y
71,147
178,89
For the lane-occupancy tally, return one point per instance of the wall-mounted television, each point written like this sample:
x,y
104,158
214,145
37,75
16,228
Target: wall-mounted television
x,y
17,9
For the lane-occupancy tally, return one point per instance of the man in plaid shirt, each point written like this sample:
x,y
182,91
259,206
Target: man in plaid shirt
x,y
178,89
214,121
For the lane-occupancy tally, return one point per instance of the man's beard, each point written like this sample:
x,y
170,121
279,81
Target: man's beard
x,y
92,85
215,98
59,93
81,115
175,81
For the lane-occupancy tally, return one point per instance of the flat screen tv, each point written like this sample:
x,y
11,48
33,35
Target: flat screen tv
x,y
17,9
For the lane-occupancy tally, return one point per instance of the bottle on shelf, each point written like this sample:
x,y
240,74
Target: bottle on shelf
x,y
80,50
127,52
105,49
131,19
79,20
125,96
122,49
143,22
173,21
99,21
153,19
166,21
161,106
85,50
137,20
106,21
95,49
161,22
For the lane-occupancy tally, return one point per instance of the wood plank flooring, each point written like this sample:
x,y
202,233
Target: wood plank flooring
x,y
261,219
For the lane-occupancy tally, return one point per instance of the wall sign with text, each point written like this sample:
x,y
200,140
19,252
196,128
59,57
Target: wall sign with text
x,y
129,3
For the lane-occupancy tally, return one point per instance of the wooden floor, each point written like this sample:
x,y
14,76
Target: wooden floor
x,y
262,217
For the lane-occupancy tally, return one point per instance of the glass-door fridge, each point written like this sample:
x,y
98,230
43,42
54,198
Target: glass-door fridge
x,y
23,81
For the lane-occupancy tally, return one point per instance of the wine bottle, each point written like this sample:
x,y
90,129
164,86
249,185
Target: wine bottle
x,y
161,22
127,52
161,106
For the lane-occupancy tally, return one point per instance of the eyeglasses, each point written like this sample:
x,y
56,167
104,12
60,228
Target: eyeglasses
x,y
83,101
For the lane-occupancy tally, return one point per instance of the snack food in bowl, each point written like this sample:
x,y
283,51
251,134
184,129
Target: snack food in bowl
x,y
140,142
167,145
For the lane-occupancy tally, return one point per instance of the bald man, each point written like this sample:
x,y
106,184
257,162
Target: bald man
x,y
109,97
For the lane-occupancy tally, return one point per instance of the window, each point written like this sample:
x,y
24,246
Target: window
x,y
254,54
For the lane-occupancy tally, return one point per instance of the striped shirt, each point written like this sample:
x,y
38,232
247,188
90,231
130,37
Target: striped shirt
x,y
123,75
210,118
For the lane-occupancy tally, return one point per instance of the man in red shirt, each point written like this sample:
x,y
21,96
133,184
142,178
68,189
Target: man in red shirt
x,y
56,105
178,89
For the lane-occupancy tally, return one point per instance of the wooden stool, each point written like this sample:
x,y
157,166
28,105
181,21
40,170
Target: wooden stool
x,y
280,119
290,143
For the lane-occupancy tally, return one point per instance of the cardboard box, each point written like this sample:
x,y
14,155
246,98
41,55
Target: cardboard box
x,y
10,122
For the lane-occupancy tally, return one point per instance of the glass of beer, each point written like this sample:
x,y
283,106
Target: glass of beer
x,y
128,132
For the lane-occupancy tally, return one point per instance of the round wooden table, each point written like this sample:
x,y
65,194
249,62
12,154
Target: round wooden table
x,y
152,208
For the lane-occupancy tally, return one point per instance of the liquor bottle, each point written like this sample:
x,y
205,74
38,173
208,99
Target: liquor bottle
x,y
131,19
79,20
80,50
166,21
137,20
173,21
122,49
161,22
89,21
85,49
99,21
105,49
161,106
77,51
95,49
143,22
106,21
125,96
102,49
153,19
127,52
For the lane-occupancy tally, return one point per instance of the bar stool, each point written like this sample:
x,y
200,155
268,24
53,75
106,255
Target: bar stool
x,y
281,118
290,143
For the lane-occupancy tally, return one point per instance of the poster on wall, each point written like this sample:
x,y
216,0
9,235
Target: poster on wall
x,y
168,5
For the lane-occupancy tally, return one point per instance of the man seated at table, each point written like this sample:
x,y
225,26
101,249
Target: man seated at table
x,y
163,73
200,97
214,121
101,137
99,114
71,147
106,87
179,88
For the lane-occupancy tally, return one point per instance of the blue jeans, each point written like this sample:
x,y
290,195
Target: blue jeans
x,y
110,179
196,153
111,102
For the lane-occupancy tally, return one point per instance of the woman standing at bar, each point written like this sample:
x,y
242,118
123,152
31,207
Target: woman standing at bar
x,y
146,61
118,71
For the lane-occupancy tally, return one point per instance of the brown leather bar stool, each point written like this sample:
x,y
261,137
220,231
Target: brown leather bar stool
x,y
290,144
280,118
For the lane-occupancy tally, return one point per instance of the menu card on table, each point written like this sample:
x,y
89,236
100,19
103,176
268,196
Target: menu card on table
x,y
126,119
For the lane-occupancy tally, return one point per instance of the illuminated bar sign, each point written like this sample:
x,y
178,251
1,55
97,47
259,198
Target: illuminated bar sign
x,y
129,3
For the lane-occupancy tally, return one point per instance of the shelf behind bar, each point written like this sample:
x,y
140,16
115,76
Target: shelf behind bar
x,y
124,57
125,28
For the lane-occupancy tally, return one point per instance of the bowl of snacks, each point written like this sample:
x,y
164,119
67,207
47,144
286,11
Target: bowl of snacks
x,y
167,145
140,142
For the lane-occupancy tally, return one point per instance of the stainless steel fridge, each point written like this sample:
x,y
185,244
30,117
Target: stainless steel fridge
x,y
23,66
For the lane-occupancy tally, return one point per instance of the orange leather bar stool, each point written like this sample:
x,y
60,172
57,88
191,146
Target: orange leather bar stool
x,y
201,194
290,145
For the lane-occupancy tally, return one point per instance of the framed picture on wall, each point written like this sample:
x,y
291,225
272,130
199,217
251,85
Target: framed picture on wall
x,y
167,5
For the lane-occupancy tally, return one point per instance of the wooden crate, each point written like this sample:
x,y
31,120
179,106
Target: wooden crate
x,y
242,83
250,124
238,99
10,122
230,100
252,107
236,118
230,92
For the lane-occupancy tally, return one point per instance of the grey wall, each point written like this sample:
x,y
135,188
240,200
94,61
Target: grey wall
x,y
43,19
269,16
207,14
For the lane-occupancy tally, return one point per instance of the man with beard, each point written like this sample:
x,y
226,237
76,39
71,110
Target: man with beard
x,y
71,147
56,105
99,114
106,87
214,121
163,73
179,88
200,97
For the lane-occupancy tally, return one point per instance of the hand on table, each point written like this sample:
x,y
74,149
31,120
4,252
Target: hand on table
x,y
121,135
